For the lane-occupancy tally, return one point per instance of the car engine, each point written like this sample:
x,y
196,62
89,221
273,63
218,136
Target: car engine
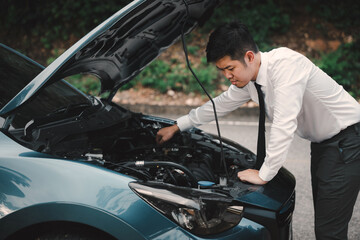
x,y
124,141
189,157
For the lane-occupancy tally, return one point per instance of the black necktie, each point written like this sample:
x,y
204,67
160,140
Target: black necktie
x,y
261,133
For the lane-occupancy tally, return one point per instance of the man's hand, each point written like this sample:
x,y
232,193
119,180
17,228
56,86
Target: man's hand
x,y
166,134
251,176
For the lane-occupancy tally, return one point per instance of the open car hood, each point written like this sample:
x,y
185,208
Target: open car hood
x,y
119,48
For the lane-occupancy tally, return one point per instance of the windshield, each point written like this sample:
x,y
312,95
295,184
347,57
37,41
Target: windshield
x,y
16,71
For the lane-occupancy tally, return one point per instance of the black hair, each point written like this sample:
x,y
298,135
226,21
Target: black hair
x,y
230,39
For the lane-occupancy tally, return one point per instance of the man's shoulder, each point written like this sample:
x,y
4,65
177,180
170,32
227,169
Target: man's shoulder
x,y
284,54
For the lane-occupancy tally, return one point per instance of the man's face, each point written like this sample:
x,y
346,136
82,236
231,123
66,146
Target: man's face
x,y
238,73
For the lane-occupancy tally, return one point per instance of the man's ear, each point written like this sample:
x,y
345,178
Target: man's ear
x,y
249,57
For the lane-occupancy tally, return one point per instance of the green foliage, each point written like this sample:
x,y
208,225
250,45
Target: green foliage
x,y
343,66
343,14
152,75
54,20
163,76
193,49
263,18
86,83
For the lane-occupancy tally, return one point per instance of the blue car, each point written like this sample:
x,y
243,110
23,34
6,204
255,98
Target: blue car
x,y
74,166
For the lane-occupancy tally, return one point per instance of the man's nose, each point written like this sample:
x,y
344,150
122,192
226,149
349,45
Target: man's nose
x,y
228,74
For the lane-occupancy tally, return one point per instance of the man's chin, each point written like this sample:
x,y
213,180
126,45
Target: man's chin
x,y
239,85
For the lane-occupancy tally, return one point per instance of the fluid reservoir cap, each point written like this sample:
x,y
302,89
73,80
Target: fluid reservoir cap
x,y
205,183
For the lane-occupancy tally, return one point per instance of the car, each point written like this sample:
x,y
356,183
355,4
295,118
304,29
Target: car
x,y
74,166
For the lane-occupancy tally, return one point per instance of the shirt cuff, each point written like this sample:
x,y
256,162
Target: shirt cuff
x,y
184,123
266,174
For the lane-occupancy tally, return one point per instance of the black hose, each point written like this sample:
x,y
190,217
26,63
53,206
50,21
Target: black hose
x,y
163,164
222,158
140,174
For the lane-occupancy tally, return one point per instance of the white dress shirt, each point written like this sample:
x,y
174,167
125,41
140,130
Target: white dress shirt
x,y
299,97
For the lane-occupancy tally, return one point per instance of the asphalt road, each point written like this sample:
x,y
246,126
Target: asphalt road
x,y
244,131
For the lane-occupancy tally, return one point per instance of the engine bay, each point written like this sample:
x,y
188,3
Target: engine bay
x,y
186,159
189,157
124,141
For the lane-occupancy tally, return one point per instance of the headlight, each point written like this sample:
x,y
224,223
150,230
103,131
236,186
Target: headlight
x,y
198,211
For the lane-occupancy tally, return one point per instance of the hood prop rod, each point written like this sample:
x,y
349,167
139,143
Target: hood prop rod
x,y
203,88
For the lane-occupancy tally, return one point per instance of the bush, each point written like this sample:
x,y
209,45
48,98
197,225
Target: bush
x,y
164,76
263,18
54,20
86,83
343,66
343,14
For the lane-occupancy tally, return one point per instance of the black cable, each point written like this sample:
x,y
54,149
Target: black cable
x,y
203,88
163,164
145,176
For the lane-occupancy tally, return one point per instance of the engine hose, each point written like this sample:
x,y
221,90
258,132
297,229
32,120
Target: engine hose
x,y
164,164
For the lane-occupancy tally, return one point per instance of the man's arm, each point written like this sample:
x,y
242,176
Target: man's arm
x,y
251,176
289,77
226,102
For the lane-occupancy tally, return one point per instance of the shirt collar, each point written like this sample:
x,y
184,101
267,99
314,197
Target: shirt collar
x,y
262,74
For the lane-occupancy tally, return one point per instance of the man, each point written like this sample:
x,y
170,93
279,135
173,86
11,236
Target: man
x,y
299,98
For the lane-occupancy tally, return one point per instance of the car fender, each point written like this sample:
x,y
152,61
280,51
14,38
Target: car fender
x,y
29,179
67,212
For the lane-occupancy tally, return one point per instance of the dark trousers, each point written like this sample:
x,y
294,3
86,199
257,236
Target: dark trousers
x,y
335,177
